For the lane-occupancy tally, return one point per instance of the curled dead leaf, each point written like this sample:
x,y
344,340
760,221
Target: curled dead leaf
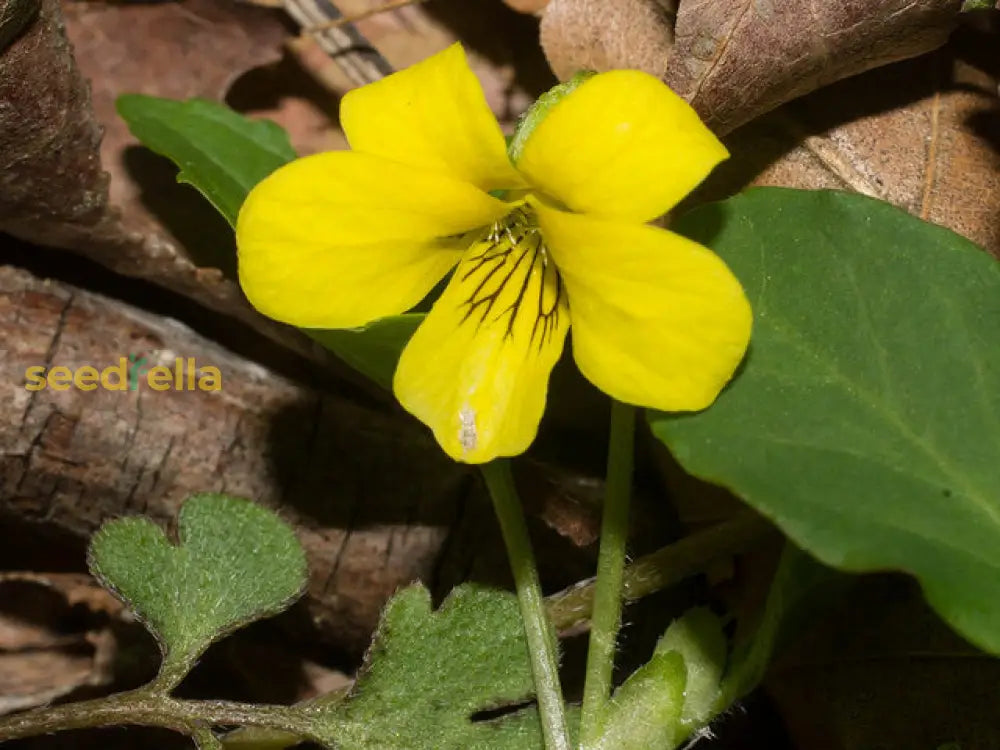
x,y
736,61
922,134
52,187
54,637
198,48
527,6
596,35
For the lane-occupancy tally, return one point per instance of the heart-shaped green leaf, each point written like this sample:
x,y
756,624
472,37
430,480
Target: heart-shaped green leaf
x,y
235,562
866,420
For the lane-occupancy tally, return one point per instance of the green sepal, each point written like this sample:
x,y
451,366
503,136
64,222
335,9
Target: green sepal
x,y
699,638
540,110
645,711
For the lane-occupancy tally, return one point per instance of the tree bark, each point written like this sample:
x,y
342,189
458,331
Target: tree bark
x,y
54,189
374,500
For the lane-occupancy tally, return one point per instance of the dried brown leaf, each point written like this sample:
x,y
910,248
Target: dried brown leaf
x,y
176,50
53,187
15,15
54,637
527,6
596,35
736,61
922,134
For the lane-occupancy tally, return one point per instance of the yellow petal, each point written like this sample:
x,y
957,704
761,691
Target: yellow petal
x,y
658,320
622,145
477,370
431,115
340,239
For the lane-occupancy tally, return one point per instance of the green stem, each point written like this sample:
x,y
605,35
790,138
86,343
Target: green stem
x,y
537,628
606,618
205,739
254,738
145,708
572,607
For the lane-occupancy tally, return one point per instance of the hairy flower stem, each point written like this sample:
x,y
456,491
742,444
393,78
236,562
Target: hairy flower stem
x,y
572,607
144,707
606,617
537,628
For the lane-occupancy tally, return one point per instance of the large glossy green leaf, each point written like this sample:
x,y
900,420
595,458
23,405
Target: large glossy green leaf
x,y
220,152
866,420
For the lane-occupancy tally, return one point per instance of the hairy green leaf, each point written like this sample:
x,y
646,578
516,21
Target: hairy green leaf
x,y
866,421
234,562
645,711
428,673
698,637
220,152
675,693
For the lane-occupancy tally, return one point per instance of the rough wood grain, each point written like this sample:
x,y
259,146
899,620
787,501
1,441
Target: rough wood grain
x,y
376,502
373,498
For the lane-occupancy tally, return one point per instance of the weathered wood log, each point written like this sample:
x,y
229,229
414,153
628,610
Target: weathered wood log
x,y
54,190
376,503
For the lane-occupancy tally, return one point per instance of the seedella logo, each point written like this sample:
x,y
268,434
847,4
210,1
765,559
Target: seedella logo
x,y
129,374
136,366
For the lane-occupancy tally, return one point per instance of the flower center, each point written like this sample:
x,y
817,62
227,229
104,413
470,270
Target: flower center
x,y
512,280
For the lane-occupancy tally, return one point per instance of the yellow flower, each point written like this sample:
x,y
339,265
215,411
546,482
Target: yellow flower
x,y
340,239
